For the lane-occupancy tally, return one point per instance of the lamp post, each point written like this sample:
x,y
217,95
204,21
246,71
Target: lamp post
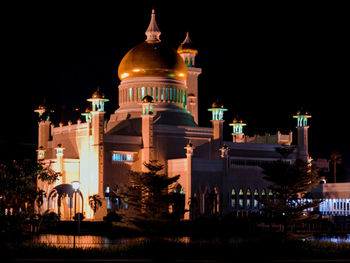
x,y
76,185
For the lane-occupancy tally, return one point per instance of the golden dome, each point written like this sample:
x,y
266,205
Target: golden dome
x,y
152,59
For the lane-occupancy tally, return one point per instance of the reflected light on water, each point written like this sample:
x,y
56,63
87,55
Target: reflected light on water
x,y
88,241
333,239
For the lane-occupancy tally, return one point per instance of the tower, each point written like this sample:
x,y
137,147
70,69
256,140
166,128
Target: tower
x,y
44,127
60,164
217,120
188,53
96,142
147,130
238,135
302,128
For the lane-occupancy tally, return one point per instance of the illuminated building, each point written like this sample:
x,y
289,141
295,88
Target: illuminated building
x,y
157,119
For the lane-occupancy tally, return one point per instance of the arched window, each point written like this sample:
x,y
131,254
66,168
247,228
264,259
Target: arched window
x,y
249,199
233,199
256,197
263,196
142,92
241,199
216,201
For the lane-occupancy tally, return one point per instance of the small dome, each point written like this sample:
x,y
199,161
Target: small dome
x,y
147,99
187,46
42,107
98,95
216,105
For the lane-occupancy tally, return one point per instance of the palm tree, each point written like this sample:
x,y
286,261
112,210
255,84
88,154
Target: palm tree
x,y
40,199
95,202
336,159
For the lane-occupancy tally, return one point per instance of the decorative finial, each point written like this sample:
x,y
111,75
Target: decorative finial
x,y
187,39
153,31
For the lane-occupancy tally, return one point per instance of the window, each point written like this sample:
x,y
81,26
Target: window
x,y
241,199
122,157
249,199
142,92
233,199
130,94
256,197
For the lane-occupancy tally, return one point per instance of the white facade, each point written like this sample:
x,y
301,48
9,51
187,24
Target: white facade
x,y
157,119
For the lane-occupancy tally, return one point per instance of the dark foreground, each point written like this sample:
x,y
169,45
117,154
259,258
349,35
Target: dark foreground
x,y
160,250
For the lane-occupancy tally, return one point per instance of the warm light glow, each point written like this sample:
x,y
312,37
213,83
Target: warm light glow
x,y
136,70
181,74
124,75
75,185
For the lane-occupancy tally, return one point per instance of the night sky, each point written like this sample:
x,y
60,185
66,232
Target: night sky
x,y
263,62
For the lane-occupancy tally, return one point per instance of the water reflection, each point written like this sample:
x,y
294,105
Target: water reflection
x,y
333,239
90,241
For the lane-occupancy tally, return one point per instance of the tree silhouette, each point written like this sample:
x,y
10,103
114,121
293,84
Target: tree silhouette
x,y
290,184
148,198
19,191
95,202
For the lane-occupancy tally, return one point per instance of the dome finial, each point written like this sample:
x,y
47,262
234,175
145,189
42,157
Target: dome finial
x,y
187,39
153,31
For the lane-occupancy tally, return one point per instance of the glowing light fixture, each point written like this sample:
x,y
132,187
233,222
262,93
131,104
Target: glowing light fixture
x,y
136,70
76,185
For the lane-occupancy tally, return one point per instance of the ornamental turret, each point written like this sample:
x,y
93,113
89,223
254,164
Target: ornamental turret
x,y
188,53
303,136
147,130
237,133
96,115
44,127
217,110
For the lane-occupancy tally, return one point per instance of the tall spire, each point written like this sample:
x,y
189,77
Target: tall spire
x,y
153,31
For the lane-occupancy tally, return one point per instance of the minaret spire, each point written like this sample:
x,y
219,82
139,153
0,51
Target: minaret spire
x,y
153,31
187,39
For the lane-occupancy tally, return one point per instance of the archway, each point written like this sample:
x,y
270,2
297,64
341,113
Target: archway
x,y
65,193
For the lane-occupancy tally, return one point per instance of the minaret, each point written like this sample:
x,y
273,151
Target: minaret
x,y
147,130
303,140
60,165
238,135
96,142
153,31
188,52
44,127
188,194
218,121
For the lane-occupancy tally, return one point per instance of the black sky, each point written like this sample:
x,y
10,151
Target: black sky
x,y
264,62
